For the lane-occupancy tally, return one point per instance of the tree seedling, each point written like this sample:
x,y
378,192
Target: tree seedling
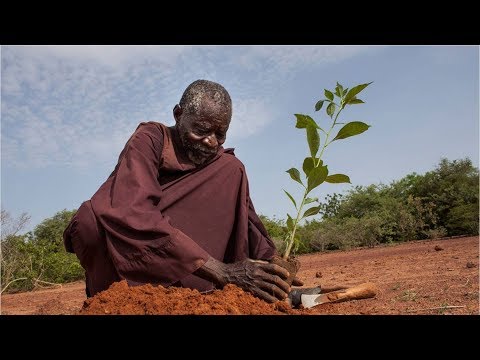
x,y
316,172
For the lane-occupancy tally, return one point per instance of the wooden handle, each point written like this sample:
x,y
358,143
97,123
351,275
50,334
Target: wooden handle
x,y
362,291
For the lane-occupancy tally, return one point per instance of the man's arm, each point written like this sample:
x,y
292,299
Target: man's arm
x,y
144,246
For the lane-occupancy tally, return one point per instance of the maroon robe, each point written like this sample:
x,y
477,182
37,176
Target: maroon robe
x,y
158,218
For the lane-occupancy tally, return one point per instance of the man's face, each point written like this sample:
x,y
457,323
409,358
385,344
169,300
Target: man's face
x,y
202,134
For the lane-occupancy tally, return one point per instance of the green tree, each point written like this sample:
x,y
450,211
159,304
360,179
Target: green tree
x,y
399,215
12,257
50,231
277,230
453,187
330,207
38,258
275,227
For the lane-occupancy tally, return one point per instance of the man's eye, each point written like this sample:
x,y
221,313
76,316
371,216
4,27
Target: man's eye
x,y
201,132
220,136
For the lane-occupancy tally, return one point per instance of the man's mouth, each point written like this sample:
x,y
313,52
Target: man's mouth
x,y
200,156
200,151
205,153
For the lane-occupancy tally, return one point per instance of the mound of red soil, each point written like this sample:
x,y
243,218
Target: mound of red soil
x,y
121,299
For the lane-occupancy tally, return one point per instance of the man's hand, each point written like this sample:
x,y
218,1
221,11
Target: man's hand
x,y
297,282
263,279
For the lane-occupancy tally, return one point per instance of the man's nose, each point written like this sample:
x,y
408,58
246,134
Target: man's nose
x,y
211,141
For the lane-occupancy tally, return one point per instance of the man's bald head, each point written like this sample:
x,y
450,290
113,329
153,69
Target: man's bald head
x,y
205,93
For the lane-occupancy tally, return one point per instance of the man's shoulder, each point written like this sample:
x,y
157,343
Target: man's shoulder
x,y
151,128
229,156
150,125
230,151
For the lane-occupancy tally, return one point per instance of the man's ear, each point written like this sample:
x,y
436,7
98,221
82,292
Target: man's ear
x,y
177,111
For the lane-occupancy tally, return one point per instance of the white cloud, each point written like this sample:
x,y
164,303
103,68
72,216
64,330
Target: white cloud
x,y
78,105
249,117
108,55
290,57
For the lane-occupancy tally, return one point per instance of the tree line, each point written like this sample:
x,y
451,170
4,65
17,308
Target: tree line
x,y
442,202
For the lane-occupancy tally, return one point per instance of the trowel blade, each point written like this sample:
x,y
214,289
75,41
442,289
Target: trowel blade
x,y
309,301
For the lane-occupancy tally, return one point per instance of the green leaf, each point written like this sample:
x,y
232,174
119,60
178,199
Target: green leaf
x,y
304,120
328,95
331,109
340,88
337,179
316,177
354,91
289,222
310,200
291,198
319,105
351,129
295,175
355,101
308,165
313,140
312,211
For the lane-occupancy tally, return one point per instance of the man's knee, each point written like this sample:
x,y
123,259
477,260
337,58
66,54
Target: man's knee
x,y
86,238
83,235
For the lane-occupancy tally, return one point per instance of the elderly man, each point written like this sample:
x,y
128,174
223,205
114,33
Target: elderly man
x,y
176,210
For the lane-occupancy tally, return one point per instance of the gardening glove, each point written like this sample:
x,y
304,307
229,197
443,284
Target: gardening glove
x,y
263,279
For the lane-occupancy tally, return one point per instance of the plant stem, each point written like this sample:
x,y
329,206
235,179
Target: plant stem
x,y
5,288
292,237
326,139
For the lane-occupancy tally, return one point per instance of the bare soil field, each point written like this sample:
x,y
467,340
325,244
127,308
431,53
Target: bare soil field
x,y
430,277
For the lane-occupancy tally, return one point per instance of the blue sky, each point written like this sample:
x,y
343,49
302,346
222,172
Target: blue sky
x,y
67,111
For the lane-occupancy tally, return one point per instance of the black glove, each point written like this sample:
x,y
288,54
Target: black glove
x,y
261,278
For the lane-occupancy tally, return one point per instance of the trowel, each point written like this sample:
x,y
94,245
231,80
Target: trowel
x,y
362,291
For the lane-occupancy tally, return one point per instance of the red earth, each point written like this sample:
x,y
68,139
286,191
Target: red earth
x,y
419,277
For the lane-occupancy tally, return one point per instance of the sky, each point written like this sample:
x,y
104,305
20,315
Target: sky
x,y
67,111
